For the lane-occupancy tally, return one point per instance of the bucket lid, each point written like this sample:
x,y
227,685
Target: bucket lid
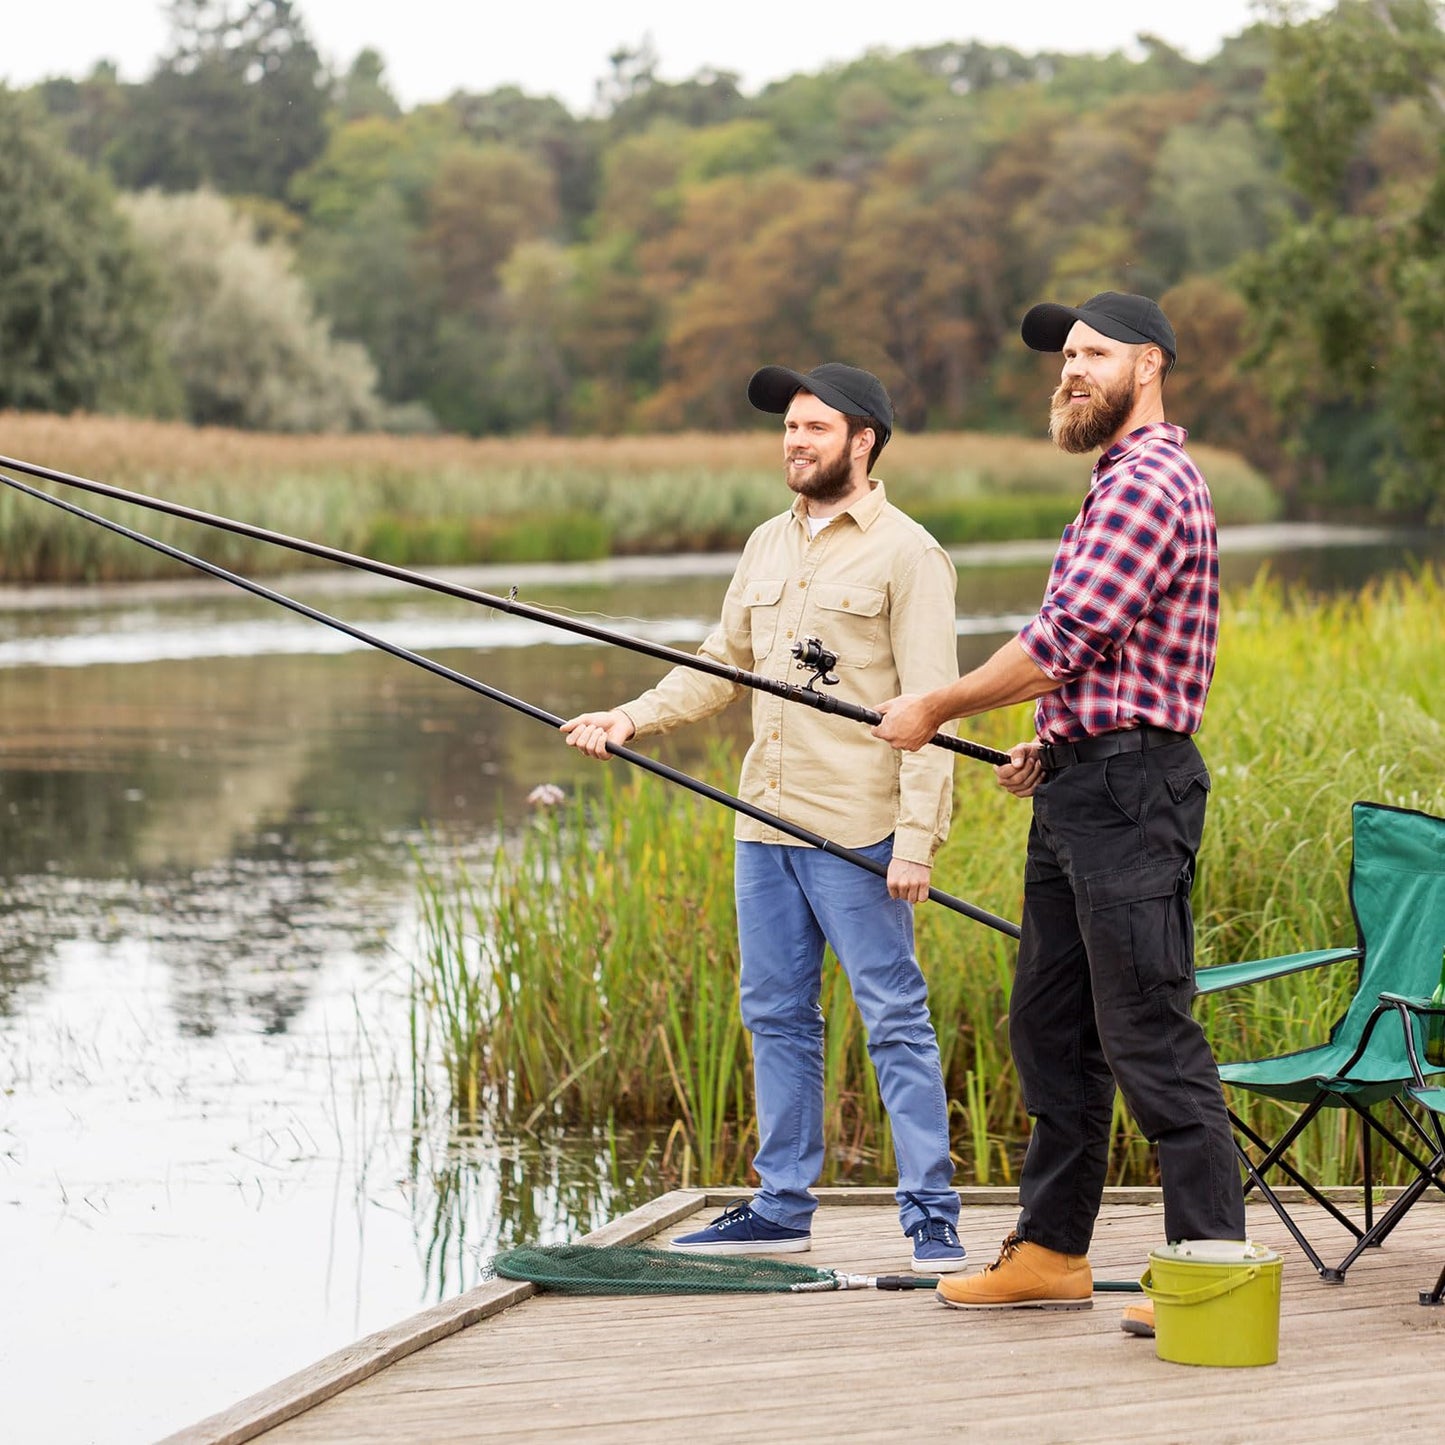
x,y
1216,1251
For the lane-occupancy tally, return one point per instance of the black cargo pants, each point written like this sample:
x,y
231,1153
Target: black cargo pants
x,y
1102,997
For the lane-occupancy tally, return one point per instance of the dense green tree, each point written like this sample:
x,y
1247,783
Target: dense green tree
x,y
88,113
363,91
544,128
1350,300
1213,198
77,297
238,103
842,120
374,155
366,280
614,334
634,99
483,203
921,261
537,291
241,333
742,275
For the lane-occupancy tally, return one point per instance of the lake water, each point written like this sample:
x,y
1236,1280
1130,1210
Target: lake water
x,y
212,1172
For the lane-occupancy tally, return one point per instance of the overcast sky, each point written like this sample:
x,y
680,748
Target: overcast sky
x,y
560,47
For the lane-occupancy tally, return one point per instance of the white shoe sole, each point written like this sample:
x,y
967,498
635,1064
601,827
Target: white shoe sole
x,y
761,1246
939,1266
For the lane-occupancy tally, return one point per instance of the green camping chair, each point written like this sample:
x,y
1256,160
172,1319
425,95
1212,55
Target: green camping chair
x,y
1429,1097
1371,1063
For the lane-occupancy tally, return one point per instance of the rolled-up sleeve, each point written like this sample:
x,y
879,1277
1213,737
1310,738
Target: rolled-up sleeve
x,y
1122,557
686,695
925,653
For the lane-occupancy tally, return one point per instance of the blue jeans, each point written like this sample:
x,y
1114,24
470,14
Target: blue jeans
x,y
790,902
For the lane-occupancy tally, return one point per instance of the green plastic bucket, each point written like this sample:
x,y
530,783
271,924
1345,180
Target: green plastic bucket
x,y
1216,1302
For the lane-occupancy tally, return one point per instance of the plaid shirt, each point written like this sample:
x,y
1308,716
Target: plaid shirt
x,y
1130,618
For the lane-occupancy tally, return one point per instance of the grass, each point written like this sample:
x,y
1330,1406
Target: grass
x,y
591,974
450,500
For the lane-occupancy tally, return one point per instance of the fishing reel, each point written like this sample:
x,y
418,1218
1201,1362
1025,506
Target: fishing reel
x,y
815,658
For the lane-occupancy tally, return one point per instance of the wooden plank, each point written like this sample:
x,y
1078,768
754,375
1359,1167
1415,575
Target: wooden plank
x,y
876,1366
339,1371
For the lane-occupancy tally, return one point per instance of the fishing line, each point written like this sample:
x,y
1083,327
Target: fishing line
x,y
792,692
640,760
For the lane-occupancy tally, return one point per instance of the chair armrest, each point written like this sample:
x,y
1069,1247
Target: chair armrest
x,y
1430,1095
1414,1004
1232,975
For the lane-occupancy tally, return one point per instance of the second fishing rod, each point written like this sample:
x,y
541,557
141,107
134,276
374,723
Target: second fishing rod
x,y
437,669
812,654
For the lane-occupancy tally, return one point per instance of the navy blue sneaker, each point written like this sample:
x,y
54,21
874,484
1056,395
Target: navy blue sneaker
x,y
737,1230
936,1247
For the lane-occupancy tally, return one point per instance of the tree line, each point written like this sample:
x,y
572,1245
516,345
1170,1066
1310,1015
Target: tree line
x,y
247,238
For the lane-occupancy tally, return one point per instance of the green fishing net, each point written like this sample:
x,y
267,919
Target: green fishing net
x,y
639,1269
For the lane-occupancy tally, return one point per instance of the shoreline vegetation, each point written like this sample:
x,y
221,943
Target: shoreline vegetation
x,y
588,974
447,501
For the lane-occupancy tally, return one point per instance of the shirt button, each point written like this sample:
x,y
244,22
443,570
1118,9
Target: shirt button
x,y
771,783
846,603
775,737
801,582
790,632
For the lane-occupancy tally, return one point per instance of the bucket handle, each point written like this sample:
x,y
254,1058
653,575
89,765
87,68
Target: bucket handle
x,y
1230,1282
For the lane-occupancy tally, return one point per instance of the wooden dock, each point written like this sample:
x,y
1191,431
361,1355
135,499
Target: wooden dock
x,y
1359,1361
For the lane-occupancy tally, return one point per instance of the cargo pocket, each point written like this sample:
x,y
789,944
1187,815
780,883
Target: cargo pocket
x,y
847,619
1141,929
764,605
1182,781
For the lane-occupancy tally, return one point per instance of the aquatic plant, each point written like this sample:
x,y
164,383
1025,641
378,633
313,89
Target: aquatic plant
x,y
451,500
592,972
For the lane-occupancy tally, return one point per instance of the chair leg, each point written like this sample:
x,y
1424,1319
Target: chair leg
x,y
1376,1231
1434,1296
1257,1179
1369,1179
1274,1157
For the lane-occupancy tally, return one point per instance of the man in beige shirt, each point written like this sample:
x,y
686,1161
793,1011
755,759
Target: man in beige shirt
x,y
846,567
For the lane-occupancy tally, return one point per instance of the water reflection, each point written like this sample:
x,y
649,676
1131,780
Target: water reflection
x,y
478,1195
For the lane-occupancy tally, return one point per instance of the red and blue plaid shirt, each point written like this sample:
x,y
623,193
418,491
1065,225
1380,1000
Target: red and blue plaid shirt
x,y
1130,618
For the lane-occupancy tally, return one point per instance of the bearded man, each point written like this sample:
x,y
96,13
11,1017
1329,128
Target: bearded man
x,y
845,566
1120,658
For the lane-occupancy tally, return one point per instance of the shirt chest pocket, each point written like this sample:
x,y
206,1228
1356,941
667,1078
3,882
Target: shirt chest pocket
x,y
848,619
764,602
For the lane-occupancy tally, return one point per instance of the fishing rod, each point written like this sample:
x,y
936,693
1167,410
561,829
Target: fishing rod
x,y
811,654
640,760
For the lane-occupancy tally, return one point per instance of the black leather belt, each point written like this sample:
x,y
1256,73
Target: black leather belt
x,y
1107,745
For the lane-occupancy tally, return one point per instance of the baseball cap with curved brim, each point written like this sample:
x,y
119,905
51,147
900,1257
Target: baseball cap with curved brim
x,y
848,389
1116,314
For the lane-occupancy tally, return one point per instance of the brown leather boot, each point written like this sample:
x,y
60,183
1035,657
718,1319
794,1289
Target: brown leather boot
x,y
1138,1319
1025,1276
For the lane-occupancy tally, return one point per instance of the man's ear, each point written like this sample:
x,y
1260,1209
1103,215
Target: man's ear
x,y
863,442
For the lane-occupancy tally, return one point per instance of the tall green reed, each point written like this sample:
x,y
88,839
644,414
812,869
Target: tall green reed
x,y
453,500
592,971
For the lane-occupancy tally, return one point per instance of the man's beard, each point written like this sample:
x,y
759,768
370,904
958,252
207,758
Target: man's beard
x,y
827,482
1083,428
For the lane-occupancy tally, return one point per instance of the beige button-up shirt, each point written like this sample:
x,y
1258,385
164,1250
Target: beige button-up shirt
x,y
875,588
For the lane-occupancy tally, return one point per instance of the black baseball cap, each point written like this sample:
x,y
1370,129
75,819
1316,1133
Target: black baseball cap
x,y
1117,314
848,389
